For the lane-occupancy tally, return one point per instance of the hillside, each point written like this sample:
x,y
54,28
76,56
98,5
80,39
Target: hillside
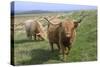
x,y
38,52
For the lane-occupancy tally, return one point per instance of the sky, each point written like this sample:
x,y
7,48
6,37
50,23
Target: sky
x,y
28,6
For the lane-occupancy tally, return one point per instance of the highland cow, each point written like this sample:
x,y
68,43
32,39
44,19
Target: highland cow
x,y
34,28
62,33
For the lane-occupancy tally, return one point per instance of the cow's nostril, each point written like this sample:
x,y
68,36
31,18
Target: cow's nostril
x,y
67,39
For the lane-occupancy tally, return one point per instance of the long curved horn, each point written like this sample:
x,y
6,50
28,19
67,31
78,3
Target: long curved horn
x,y
52,22
47,20
80,20
82,16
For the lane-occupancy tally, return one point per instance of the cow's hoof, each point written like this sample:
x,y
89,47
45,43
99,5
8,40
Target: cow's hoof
x,y
61,57
52,51
65,58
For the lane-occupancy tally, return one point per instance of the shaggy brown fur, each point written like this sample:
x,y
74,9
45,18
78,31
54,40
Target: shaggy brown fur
x,y
66,36
62,34
53,32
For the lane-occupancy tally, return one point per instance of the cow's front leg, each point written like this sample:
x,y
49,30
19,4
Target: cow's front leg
x,y
68,50
58,46
61,48
51,45
65,53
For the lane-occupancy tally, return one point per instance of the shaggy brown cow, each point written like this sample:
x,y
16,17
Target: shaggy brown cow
x,y
53,32
67,34
63,34
34,28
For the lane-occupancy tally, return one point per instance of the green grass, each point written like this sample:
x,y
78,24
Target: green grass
x,y
38,52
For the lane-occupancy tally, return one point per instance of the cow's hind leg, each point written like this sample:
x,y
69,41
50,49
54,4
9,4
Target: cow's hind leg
x,y
27,33
34,36
29,36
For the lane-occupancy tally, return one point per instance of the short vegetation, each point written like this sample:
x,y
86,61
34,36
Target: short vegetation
x,y
39,52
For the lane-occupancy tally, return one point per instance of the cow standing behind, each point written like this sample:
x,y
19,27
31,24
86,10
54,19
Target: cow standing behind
x,y
62,34
34,28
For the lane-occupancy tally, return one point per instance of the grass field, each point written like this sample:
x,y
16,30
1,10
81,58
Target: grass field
x,y
38,52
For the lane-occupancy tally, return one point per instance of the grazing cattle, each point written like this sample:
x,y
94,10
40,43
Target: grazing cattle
x,y
62,34
34,28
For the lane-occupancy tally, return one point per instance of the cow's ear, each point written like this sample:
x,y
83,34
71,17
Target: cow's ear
x,y
76,24
60,24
